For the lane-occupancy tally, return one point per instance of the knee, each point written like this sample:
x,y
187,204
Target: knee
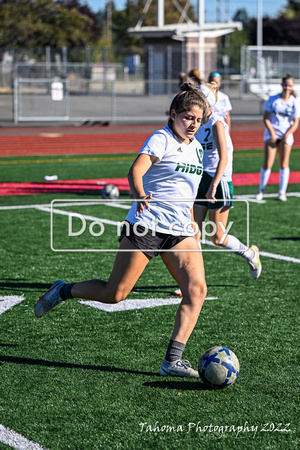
x,y
116,295
199,290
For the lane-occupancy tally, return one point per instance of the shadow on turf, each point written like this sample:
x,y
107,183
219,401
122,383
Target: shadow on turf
x,y
42,362
7,345
17,285
10,284
287,238
171,288
184,385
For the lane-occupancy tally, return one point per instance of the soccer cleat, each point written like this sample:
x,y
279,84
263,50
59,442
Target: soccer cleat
x,y
50,299
254,262
282,197
177,292
179,368
260,195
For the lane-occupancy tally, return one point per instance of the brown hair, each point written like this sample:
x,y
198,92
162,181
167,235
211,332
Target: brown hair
x,y
188,96
287,77
193,75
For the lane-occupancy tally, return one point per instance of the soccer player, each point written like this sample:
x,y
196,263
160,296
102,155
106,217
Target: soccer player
x,y
281,120
223,104
193,75
216,190
168,167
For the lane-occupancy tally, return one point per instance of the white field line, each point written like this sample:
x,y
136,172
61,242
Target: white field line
x,y
8,301
113,204
141,303
252,199
17,441
8,436
266,254
47,208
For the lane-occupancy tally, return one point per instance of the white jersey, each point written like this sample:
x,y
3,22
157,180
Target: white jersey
x,y
210,152
223,104
175,174
282,114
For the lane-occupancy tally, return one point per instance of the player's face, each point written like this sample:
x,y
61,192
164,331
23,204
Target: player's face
x,y
187,123
287,87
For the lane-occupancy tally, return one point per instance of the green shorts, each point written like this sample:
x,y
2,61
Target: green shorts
x,y
224,193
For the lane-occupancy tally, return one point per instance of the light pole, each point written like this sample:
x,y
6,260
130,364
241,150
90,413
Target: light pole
x,y
259,39
201,20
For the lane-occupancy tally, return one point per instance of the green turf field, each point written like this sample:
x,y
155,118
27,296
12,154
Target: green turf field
x,y
84,378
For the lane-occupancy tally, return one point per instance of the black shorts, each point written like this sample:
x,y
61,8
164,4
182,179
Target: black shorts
x,y
150,242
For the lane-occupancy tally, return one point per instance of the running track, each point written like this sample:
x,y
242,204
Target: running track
x,y
111,139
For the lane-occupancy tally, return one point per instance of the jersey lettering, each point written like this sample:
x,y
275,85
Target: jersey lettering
x,y
189,168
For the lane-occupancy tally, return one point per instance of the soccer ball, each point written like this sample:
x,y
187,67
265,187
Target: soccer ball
x,y
110,191
218,367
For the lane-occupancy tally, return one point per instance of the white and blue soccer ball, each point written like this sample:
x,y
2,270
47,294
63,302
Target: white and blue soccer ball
x,y
218,367
110,191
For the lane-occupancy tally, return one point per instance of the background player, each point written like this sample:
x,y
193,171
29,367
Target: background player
x,y
216,190
281,120
223,105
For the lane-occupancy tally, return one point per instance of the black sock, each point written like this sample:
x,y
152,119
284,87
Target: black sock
x,y
174,351
65,291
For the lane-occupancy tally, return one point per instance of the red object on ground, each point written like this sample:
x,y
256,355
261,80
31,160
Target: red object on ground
x,y
80,186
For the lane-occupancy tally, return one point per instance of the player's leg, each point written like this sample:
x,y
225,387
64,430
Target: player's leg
x,y
128,266
218,219
284,152
199,217
187,269
223,239
265,171
200,213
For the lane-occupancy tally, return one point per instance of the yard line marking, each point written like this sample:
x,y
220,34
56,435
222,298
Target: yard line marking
x,y
141,303
113,204
280,257
8,301
266,254
16,440
251,198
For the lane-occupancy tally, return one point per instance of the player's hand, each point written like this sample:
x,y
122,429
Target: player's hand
x,y
210,194
273,140
141,205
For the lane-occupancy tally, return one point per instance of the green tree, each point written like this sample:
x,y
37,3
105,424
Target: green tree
x,y
38,23
291,10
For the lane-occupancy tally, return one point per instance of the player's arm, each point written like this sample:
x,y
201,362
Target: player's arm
x,y
220,140
269,126
135,177
228,120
